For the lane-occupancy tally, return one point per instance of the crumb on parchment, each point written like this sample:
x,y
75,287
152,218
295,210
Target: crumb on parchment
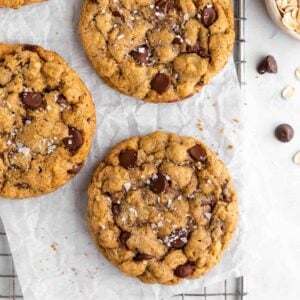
x,y
54,246
199,124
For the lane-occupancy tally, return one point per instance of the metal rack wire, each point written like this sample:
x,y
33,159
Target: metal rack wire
x,y
234,289
9,284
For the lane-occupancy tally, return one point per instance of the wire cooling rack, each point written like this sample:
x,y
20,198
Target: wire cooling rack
x,y
232,289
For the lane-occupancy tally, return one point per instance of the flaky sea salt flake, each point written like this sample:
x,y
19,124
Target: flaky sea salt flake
x,y
127,186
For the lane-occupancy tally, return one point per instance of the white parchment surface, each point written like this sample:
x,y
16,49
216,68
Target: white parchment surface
x,y
54,255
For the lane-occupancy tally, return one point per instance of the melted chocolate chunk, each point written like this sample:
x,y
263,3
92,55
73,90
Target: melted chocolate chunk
x,y
75,170
183,271
143,256
209,16
159,184
198,153
32,100
124,236
198,50
128,158
74,140
141,54
164,6
160,83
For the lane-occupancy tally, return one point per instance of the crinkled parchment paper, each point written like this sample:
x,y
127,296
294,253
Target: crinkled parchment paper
x,y
54,255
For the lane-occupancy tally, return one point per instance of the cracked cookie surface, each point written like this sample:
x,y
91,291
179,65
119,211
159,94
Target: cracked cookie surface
x,y
162,207
161,51
47,121
17,3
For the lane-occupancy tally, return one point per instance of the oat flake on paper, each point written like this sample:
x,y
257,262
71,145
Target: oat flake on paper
x,y
74,269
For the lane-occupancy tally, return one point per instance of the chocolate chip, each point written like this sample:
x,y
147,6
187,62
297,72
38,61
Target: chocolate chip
x,y
226,192
118,15
124,236
159,184
178,238
268,65
74,140
164,6
141,54
143,256
208,201
32,48
128,158
209,16
116,209
32,100
61,100
284,133
198,153
183,271
160,83
223,226
198,50
22,185
75,170
177,41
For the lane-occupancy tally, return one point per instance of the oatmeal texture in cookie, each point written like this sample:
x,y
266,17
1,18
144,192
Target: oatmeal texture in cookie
x,y
162,208
158,51
17,3
47,121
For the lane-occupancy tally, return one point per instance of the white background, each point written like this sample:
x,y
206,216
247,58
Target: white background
x,y
277,275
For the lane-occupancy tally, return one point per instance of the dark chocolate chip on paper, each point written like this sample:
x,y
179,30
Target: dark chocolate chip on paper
x,y
267,65
284,133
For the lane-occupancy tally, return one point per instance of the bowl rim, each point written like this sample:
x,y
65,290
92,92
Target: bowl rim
x,y
275,15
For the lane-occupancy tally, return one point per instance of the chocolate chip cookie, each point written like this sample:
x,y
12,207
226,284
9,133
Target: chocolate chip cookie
x,y
17,3
158,51
162,207
47,121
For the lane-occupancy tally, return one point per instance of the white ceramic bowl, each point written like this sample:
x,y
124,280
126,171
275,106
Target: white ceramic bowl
x,y
276,17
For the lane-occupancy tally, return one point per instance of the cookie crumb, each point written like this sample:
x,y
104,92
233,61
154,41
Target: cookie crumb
x,y
75,271
199,124
54,246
